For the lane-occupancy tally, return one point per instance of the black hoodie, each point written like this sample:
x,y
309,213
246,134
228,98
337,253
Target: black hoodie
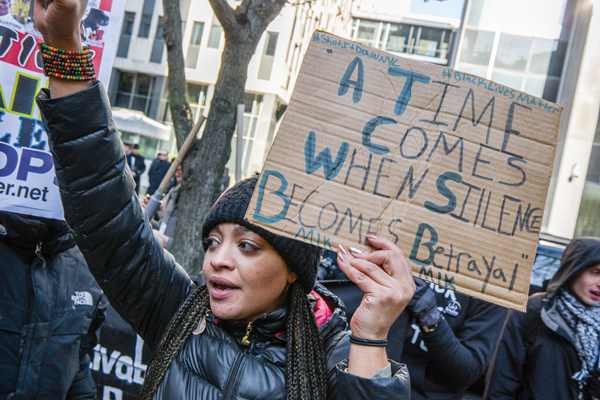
x,y
536,355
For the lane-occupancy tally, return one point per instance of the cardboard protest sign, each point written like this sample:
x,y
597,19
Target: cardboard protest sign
x,y
451,167
27,181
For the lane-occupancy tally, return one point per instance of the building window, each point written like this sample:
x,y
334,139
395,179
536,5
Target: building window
x,y
420,41
267,59
270,43
134,91
252,106
159,42
196,97
197,33
144,30
216,31
126,31
588,220
191,58
503,53
520,62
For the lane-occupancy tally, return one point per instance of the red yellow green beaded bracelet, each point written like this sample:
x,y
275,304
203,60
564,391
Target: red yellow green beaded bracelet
x,y
68,64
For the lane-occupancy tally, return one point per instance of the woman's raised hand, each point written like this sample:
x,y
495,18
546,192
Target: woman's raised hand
x,y
59,22
386,278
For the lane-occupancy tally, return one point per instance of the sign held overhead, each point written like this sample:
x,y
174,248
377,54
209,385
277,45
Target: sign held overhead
x,y
451,167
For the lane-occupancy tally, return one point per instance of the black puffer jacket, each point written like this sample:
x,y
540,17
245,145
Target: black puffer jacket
x,y
145,284
536,355
50,308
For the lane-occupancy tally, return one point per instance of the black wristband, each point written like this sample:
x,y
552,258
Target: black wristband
x,y
367,342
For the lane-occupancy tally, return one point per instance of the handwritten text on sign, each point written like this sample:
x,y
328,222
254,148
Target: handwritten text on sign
x,y
452,168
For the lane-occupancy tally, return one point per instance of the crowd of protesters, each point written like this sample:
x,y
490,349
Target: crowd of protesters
x,y
258,325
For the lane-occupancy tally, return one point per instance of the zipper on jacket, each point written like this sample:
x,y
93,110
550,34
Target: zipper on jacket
x,y
245,341
38,251
228,393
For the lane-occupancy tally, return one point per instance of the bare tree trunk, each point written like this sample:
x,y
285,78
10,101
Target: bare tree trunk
x,y
204,164
178,93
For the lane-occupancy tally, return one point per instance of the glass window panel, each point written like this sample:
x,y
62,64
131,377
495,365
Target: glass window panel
x,y
428,42
535,85
508,79
183,25
123,99
270,43
214,40
593,172
126,82
541,54
196,93
144,30
588,220
139,103
197,33
142,86
128,23
248,101
160,28
367,32
470,69
477,47
398,38
148,146
513,52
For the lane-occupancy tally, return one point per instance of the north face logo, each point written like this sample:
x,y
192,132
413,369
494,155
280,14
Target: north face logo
x,y
82,299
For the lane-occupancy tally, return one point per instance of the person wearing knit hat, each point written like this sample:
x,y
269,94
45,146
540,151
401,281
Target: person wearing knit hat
x,y
259,328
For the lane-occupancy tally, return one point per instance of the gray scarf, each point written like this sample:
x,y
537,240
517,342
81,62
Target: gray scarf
x,y
584,321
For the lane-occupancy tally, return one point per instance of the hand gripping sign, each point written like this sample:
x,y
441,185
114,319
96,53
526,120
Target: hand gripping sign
x,y
451,167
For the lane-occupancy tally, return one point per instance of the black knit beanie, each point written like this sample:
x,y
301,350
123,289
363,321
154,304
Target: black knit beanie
x,y
302,258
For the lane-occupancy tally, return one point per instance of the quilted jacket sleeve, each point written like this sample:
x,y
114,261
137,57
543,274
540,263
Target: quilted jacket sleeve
x,y
141,280
342,385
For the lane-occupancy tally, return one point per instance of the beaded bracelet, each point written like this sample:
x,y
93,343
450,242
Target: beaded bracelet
x,y
68,64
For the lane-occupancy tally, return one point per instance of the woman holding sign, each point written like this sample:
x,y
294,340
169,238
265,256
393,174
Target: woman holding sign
x,y
259,328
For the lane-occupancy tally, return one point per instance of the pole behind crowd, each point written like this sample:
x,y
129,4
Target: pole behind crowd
x,y
156,198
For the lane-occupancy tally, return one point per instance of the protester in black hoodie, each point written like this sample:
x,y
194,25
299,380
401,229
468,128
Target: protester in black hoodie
x,y
551,352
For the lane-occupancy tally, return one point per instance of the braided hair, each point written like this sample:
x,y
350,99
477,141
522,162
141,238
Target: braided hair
x,y
305,362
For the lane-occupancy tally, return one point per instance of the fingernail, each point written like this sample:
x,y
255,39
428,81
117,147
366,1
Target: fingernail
x,y
355,251
372,237
342,249
341,257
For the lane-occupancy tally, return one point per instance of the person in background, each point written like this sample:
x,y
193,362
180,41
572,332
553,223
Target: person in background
x,y
450,341
166,229
137,165
551,352
50,310
225,180
157,171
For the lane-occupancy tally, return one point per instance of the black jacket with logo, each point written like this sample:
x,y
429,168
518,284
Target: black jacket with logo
x,y
445,362
536,355
50,308
146,286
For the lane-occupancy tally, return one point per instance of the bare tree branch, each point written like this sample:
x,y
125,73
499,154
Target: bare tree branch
x,y
225,14
181,114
